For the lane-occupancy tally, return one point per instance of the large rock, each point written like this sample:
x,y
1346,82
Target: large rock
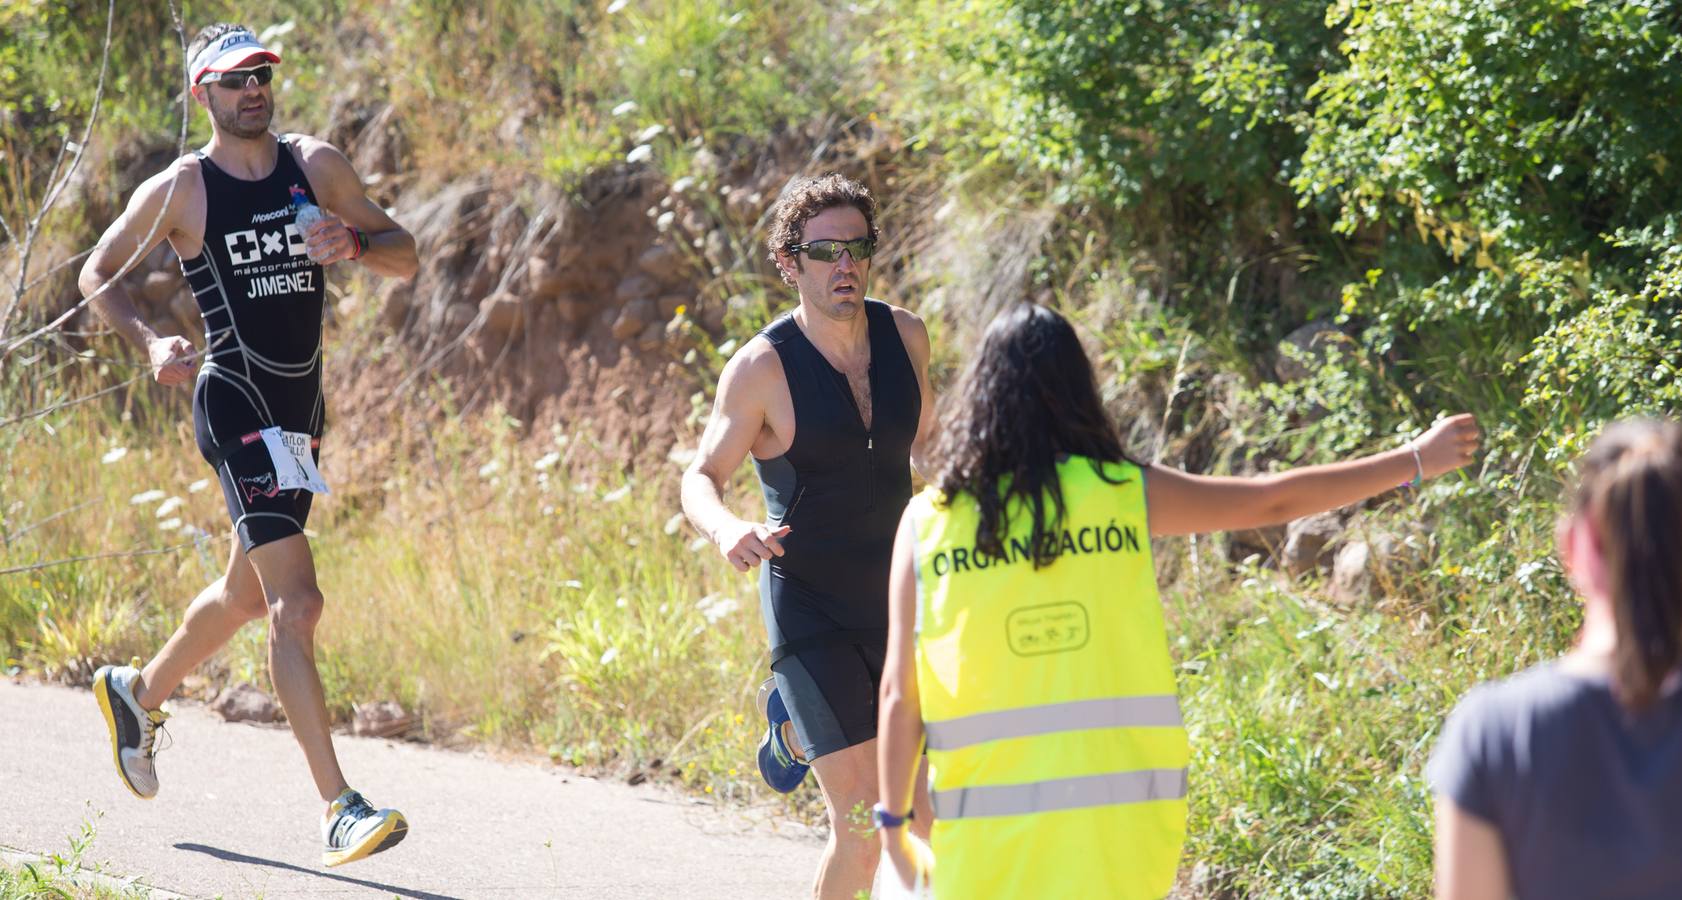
x,y
386,718
244,702
1367,567
1308,347
666,307
1268,542
1307,542
651,337
457,316
504,314
663,263
543,278
712,317
636,287
632,319
1352,573
574,310
394,308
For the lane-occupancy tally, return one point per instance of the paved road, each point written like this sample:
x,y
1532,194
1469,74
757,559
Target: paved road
x,y
237,817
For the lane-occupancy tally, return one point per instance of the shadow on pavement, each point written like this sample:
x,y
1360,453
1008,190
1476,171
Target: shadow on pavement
x,y
230,856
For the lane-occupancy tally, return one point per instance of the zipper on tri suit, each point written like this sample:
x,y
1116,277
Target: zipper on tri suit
x,y
788,514
870,480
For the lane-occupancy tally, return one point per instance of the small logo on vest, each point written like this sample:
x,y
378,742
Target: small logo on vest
x,y
1048,628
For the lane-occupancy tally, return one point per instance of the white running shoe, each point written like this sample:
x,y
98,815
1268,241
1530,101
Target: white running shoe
x,y
134,731
353,829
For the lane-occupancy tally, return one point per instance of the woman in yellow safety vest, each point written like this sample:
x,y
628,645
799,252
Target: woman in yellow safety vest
x,y
1026,640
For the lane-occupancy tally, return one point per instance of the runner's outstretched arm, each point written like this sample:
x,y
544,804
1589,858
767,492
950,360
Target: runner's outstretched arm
x,y
1193,504
344,200
737,419
147,220
900,722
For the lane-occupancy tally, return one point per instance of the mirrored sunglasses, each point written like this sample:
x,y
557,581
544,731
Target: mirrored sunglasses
x,y
236,79
830,251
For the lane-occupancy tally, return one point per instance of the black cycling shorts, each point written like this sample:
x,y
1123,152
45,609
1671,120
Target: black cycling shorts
x,y
261,512
827,655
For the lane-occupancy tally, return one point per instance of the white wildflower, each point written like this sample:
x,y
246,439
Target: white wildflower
x,y
609,655
547,461
699,544
674,524
490,468
144,497
170,524
169,506
197,486
617,494
717,606
640,153
626,108
114,454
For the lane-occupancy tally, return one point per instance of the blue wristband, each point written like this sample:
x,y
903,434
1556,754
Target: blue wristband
x,y
881,818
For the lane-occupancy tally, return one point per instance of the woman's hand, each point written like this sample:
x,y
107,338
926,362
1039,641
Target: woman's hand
x,y
1449,444
896,842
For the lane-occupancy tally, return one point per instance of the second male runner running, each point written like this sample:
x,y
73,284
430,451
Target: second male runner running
x,y
833,402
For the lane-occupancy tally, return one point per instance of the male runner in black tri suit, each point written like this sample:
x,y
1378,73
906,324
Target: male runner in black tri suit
x,y
257,404
833,401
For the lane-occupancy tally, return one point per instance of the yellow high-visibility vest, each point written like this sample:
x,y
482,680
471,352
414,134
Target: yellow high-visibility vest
x,y
1057,755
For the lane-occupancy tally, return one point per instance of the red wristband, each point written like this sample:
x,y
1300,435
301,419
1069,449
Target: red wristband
x,y
361,239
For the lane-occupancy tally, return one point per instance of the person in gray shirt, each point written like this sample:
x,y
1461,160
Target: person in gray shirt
x,y
1565,780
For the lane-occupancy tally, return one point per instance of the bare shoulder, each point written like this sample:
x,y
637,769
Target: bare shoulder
x,y
752,368
178,182
326,165
912,331
163,203
312,149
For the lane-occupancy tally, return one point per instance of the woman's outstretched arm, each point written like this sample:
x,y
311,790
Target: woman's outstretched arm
x,y
1180,503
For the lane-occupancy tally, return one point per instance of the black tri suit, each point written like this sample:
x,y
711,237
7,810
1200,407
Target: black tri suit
x,y
261,297
841,488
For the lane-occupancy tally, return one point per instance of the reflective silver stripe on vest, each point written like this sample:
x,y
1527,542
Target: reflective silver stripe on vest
x,y
1062,793
1155,711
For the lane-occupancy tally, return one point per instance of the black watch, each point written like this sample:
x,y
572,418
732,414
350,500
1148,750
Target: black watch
x,y
881,818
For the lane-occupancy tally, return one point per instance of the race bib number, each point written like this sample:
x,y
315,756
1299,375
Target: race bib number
x,y
294,465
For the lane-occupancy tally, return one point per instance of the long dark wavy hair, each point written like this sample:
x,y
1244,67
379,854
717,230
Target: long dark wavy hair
x,y
1027,398
1630,488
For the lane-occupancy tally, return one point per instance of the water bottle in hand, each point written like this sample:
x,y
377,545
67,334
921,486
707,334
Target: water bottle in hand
x,y
304,213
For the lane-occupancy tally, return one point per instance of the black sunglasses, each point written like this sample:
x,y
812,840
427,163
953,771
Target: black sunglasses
x,y
830,251
236,79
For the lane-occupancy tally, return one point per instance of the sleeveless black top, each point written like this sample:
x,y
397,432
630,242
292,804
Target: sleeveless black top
x,y
840,487
262,299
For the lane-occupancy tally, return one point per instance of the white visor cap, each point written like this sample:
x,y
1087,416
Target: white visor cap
x,y
234,50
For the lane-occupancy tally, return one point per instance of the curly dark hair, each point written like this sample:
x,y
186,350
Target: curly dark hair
x,y
807,197
1027,397
210,33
